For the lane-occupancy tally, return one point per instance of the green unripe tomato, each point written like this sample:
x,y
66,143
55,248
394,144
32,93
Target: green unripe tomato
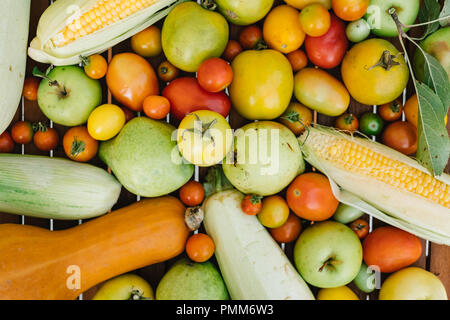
x,y
366,280
371,124
358,30
346,214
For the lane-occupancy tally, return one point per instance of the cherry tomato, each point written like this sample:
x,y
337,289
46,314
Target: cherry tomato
x,y
289,231
310,197
192,193
79,145
251,204
361,228
30,88
401,136
371,124
156,107
214,75
6,142
412,110
391,111
147,43
95,66
315,20
297,117
357,31
350,10
347,122
297,59
200,247
128,114
274,212
232,49
45,138
105,122
22,132
250,37
167,71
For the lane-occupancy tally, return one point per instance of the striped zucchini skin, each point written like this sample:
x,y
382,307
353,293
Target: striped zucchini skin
x,y
55,188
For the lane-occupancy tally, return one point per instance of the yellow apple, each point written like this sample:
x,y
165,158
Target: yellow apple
x,y
339,293
412,284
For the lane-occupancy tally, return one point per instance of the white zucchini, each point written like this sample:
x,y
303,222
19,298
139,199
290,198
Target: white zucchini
x,y
14,20
252,264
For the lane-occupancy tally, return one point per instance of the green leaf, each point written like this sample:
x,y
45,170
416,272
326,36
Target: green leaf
x,y
429,11
436,78
445,13
433,142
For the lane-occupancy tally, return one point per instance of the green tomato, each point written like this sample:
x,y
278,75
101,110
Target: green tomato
x,y
366,280
358,30
371,124
346,214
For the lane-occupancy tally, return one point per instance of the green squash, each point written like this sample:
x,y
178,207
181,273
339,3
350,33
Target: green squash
x,y
192,34
244,12
145,159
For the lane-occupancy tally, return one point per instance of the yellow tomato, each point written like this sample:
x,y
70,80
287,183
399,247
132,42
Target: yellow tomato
x,y
300,4
147,43
105,122
339,293
374,72
282,30
204,138
125,287
262,84
274,212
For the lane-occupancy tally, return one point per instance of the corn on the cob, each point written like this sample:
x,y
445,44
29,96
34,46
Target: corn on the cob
x,y
382,182
69,29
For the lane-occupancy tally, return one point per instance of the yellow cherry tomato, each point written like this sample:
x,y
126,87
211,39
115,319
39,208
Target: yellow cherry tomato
x,y
147,43
125,287
300,4
204,138
95,66
274,212
282,30
315,20
339,293
105,122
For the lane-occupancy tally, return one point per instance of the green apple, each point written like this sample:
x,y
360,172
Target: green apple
x,y
346,214
358,30
381,21
367,279
438,45
412,284
67,95
328,254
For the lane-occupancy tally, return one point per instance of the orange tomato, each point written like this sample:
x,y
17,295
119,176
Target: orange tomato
x,y
289,231
391,249
22,132
310,197
315,20
6,143
95,66
391,111
79,145
297,59
411,110
131,79
282,30
297,118
147,43
232,49
214,75
192,193
274,212
167,71
200,247
401,136
45,139
251,204
250,37
350,10
347,122
361,228
30,88
156,107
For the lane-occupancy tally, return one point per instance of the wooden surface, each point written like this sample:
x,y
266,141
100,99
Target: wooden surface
x,y
435,258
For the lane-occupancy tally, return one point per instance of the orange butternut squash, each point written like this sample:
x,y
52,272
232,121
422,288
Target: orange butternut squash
x,y
39,264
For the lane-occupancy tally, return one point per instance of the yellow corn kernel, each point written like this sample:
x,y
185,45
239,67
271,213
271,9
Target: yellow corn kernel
x,y
102,14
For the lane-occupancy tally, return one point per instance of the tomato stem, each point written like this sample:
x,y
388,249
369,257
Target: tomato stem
x,y
209,5
78,147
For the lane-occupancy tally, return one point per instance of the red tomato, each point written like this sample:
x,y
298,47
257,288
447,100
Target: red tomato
x,y
186,95
328,50
350,10
297,59
22,132
232,50
361,228
251,204
391,249
214,75
128,114
250,37
401,136
6,143
289,231
156,107
46,139
30,88
310,197
192,193
200,247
